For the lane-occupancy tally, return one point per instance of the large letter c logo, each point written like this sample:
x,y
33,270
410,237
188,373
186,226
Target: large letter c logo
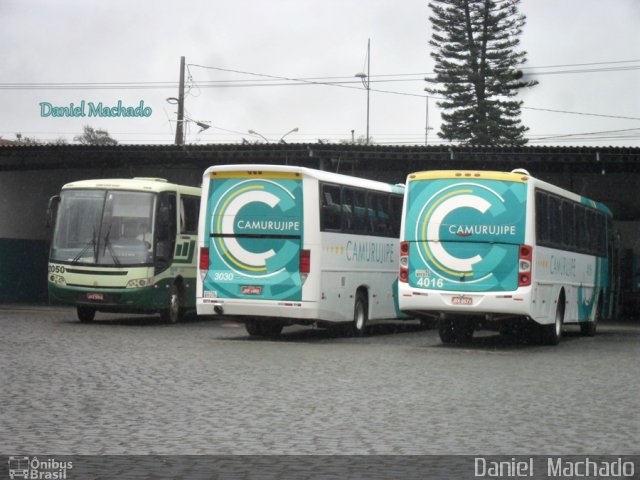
x,y
433,225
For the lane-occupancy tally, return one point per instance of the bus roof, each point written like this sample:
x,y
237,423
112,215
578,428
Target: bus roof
x,y
514,176
518,175
259,170
137,183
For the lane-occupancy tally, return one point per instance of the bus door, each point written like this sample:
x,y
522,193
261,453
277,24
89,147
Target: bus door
x,y
465,234
254,234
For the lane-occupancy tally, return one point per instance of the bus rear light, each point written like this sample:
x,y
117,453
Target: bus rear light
x,y
305,261
524,265
404,262
204,258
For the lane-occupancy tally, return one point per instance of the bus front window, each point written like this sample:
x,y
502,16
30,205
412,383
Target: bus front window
x,y
109,228
126,233
77,226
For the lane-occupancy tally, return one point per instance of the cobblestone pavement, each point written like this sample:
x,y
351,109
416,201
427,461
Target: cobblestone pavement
x,y
131,385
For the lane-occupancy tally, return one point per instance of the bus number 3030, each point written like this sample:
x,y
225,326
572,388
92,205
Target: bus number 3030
x,y
223,276
427,282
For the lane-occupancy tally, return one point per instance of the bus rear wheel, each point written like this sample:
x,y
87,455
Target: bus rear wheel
x,y
588,329
86,314
174,313
458,331
265,328
360,315
551,334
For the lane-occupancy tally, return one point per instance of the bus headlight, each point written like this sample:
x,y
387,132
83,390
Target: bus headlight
x,y
57,279
140,282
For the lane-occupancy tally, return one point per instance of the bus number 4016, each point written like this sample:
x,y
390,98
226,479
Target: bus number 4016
x,y
427,282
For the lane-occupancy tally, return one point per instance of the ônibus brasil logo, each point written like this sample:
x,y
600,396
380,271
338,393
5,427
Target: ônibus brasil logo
x,y
34,468
257,225
464,227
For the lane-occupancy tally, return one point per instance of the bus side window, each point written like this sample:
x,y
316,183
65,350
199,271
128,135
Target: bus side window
x,y
166,230
568,225
542,220
555,221
189,209
395,212
330,209
360,217
379,214
582,232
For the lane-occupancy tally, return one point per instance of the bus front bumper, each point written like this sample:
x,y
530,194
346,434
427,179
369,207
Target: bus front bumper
x,y
125,300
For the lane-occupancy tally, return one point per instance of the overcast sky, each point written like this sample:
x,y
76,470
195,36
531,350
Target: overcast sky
x,y
584,53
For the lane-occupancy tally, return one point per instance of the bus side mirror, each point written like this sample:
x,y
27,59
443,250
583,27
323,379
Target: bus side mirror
x,y
52,210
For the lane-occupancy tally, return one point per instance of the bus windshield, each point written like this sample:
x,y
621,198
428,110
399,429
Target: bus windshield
x,y
104,227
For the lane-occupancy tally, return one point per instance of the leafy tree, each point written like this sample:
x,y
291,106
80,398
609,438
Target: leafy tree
x,y
21,139
91,136
475,46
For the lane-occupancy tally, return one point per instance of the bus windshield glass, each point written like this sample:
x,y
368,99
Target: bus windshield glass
x,y
104,227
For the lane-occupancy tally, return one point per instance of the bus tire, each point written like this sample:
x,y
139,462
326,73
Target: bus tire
x,y
551,334
174,313
86,314
253,328
360,315
458,331
588,328
271,329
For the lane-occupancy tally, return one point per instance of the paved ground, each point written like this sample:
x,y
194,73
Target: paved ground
x,y
131,385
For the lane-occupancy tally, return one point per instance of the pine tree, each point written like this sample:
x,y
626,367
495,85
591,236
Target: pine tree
x,y
476,65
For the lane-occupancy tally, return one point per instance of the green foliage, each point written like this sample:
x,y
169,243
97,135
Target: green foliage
x,y
91,136
474,45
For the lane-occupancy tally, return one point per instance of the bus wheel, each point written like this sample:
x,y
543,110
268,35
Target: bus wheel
x,y
360,315
588,329
271,329
253,328
86,314
174,313
458,331
551,334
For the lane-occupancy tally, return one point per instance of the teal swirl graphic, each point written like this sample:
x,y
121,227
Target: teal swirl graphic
x,y
465,233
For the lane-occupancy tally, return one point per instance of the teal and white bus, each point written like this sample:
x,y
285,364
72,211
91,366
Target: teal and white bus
x,y
482,248
124,245
282,245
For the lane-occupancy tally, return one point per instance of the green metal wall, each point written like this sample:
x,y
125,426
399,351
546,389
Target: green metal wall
x,y
23,270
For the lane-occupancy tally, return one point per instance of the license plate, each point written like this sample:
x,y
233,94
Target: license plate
x,y
461,300
251,290
96,297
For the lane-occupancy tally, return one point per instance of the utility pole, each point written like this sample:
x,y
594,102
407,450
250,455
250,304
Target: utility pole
x,y
180,124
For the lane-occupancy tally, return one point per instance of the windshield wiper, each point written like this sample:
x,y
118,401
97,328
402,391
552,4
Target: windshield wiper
x,y
92,243
107,245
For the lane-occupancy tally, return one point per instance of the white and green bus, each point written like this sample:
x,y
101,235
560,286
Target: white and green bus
x,y
491,249
282,245
124,245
